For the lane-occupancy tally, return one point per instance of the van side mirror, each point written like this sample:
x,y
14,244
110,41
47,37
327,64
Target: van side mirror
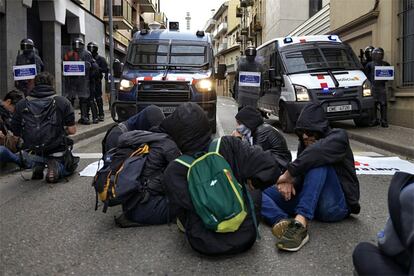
x,y
221,72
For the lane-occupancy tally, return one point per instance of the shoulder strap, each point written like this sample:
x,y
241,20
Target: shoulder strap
x,y
215,145
185,160
398,182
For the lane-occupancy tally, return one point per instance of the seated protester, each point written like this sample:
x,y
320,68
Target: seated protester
x,y
147,118
321,183
394,254
251,127
44,120
188,126
8,141
149,207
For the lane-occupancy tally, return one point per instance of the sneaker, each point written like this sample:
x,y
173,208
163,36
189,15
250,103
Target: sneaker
x,y
123,222
37,173
52,175
280,227
101,118
294,237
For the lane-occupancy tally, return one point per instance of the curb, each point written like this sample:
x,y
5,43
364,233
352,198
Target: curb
x,y
91,132
398,149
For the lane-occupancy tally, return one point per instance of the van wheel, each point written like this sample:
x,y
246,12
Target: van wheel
x,y
366,121
285,122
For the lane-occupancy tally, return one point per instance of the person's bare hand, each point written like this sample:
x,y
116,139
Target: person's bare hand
x,y
235,133
286,177
287,190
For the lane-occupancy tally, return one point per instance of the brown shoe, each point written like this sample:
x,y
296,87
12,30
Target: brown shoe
x,y
280,227
52,175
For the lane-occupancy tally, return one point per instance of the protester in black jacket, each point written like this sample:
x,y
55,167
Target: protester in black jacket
x,y
149,117
150,206
252,128
321,183
189,128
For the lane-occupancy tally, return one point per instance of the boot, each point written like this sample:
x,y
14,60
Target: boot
x,y
99,103
384,120
84,120
94,110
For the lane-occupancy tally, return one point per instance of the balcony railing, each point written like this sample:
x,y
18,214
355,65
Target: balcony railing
x,y
210,25
148,6
222,47
121,12
161,18
222,29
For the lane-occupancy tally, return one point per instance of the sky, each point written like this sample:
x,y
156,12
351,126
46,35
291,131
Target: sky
x,y
200,11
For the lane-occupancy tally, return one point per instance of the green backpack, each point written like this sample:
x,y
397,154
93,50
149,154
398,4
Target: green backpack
x,y
216,195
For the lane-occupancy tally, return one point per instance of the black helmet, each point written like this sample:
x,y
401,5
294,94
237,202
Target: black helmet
x,y
250,51
368,52
78,44
92,47
26,44
378,54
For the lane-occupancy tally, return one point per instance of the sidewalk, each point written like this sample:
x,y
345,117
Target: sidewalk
x,y
395,139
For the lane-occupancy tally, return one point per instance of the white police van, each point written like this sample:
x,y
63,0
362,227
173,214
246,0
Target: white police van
x,y
314,68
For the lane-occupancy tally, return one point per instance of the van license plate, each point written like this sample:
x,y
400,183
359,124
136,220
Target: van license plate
x,y
339,108
168,109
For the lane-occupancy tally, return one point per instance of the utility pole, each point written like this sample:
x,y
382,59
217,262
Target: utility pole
x,y
111,53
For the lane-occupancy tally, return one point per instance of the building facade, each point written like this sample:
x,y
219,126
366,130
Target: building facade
x,y
53,24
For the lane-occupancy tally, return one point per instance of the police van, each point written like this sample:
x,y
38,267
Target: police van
x,y
168,68
318,69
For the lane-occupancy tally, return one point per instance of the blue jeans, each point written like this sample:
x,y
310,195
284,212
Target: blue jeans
x,y
320,196
153,212
7,156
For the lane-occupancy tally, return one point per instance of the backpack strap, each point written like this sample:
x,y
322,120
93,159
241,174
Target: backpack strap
x,y
185,160
215,145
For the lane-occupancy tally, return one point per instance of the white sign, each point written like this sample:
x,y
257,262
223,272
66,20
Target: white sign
x,y
24,72
384,73
74,68
250,79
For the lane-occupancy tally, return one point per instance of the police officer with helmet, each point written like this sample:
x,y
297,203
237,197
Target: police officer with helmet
x,y
96,93
368,55
79,86
378,87
248,95
27,55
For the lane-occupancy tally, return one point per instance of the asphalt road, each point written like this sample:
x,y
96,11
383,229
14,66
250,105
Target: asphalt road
x,y
54,230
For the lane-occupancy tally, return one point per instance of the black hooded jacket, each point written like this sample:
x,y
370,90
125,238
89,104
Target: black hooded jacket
x,y
149,117
264,135
331,149
162,151
189,128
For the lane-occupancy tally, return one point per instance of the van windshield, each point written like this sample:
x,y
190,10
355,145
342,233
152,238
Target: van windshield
x,y
162,55
316,59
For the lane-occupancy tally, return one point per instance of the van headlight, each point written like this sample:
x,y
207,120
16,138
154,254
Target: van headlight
x,y
302,94
366,89
204,85
126,85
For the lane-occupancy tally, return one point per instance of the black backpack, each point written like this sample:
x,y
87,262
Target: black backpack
x,y
119,181
42,131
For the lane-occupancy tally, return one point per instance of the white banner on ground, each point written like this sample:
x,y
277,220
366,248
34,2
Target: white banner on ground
x,y
91,169
378,165
382,165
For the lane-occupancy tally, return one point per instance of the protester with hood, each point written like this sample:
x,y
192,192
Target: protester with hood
x,y
321,183
394,254
188,126
252,128
8,141
149,206
44,120
148,118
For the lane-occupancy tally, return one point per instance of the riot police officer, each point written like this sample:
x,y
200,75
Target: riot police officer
x,y
79,86
378,87
368,55
248,95
27,55
102,72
